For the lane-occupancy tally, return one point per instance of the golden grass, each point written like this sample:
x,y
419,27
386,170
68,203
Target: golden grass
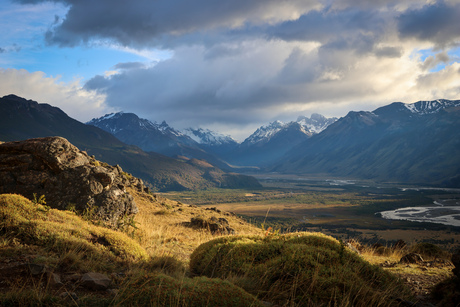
x,y
162,230
63,232
162,243
299,269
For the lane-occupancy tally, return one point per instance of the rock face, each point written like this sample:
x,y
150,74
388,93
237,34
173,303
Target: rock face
x,y
67,177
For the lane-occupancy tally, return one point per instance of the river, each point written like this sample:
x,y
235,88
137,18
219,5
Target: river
x,y
445,212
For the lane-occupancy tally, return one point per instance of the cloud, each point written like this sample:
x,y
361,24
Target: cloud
x,y
437,23
260,81
146,23
70,97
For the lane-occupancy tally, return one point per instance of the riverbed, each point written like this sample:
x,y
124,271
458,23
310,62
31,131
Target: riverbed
x,y
445,212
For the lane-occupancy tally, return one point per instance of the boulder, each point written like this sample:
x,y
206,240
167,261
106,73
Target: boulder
x,y
411,258
95,281
67,177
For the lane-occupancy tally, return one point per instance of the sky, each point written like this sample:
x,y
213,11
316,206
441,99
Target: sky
x,y
229,65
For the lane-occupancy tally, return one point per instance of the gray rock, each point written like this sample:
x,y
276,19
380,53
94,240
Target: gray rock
x,y
95,281
67,177
37,269
411,258
54,280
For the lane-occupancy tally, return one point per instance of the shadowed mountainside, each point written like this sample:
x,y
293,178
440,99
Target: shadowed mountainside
x,y
22,119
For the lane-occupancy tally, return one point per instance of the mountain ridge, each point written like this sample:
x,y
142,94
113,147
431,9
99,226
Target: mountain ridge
x,y
22,119
392,143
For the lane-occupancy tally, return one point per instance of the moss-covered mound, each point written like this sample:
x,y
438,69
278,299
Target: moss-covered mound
x,y
162,290
63,233
303,269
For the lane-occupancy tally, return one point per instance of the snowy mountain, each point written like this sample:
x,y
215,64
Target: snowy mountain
x,y
414,143
148,135
161,138
269,143
316,123
430,107
308,126
212,142
208,137
264,133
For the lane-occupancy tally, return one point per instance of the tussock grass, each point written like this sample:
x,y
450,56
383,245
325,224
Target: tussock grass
x,y
303,269
299,269
63,234
156,289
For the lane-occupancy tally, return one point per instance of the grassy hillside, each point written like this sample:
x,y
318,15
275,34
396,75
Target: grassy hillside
x,y
160,258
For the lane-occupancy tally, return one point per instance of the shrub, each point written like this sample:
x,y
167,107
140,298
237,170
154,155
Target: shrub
x,y
302,269
430,251
162,290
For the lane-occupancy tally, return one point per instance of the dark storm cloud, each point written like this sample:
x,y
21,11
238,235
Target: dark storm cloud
x,y
438,23
336,29
145,22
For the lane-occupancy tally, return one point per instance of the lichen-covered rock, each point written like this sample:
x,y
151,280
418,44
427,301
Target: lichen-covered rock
x,y
67,177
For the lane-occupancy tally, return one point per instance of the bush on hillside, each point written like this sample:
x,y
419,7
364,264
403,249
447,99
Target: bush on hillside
x,y
430,251
303,269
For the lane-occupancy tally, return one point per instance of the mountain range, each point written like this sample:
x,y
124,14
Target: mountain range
x,y
22,119
405,143
161,138
265,145
411,143
271,142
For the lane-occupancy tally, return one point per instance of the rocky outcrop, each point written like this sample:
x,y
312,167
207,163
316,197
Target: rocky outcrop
x,y
213,224
67,177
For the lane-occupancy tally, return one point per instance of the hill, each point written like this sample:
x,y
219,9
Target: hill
x,y
415,143
45,262
22,119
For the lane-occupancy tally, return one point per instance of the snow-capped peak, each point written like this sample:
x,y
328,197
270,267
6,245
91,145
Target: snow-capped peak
x,y
316,123
208,137
116,122
265,132
430,107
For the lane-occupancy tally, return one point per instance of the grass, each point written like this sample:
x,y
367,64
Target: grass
x,y
304,269
62,232
160,256
163,229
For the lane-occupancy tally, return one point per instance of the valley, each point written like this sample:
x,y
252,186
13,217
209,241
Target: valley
x,y
345,209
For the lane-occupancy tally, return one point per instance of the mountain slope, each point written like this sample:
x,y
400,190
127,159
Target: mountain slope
x,y
211,141
149,136
154,137
22,119
416,143
271,142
